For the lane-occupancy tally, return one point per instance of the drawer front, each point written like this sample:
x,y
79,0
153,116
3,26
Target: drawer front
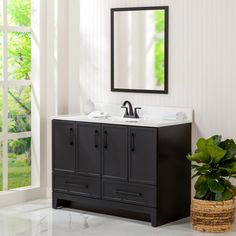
x,y
130,193
79,185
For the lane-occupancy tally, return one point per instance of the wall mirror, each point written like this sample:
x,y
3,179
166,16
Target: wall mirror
x,y
139,49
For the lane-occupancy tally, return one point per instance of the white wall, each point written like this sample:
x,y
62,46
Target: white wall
x,y
202,60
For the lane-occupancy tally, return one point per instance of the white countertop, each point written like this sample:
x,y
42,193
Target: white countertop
x,y
145,122
151,116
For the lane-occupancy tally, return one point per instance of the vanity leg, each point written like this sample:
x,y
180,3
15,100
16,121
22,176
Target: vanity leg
x,y
54,202
153,217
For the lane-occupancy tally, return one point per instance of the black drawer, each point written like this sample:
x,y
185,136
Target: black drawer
x,y
79,185
130,193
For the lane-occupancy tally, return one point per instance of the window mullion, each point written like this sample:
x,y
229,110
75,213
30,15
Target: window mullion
x,y
19,135
16,29
5,99
18,83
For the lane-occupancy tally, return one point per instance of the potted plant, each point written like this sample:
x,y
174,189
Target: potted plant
x,y
214,164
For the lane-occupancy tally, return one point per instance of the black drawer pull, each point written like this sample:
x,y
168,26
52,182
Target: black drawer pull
x,y
105,139
82,186
132,142
96,139
121,192
71,137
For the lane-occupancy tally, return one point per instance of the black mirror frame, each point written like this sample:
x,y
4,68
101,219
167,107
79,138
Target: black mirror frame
x,y
166,9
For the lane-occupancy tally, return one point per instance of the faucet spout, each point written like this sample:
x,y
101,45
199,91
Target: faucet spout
x,y
130,112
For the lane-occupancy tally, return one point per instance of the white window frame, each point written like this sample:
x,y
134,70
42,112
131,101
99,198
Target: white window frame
x,y
41,19
5,84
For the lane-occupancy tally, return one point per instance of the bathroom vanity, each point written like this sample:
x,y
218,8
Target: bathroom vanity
x,y
121,167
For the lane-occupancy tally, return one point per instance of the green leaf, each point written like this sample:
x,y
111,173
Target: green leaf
x,y
215,186
216,139
202,144
226,163
203,167
222,172
229,170
230,146
233,187
233,169
229,164
201,191
227,195
216,153
201,180
199,157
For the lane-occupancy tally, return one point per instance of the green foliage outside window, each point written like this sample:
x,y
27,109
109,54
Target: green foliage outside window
x,y
159,48
19,98
19,12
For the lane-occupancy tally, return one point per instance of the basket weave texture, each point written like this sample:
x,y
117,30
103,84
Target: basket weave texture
x,y
213,216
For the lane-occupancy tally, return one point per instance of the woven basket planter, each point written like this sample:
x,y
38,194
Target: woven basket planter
x,y
213,216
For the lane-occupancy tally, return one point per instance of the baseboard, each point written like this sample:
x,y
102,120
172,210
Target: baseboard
x,y
16,196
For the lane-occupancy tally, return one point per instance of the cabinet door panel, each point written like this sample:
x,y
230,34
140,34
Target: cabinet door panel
x,y
115,152
88,149
63,146
143,155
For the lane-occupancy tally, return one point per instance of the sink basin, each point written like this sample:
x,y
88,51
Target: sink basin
x,y
124,119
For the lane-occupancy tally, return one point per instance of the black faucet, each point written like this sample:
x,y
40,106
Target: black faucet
x,y
129,112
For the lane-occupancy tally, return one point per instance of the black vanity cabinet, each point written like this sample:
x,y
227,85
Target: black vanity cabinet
x,y
130,171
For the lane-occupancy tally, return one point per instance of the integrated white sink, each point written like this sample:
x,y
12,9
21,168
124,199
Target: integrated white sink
x,y
124,119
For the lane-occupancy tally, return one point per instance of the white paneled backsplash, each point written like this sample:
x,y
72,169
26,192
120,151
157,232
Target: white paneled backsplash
x,y
202,60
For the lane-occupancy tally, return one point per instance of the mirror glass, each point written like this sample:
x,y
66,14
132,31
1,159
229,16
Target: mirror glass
x,y
139,38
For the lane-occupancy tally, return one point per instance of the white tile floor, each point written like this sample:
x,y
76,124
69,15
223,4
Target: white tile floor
x,y
37,218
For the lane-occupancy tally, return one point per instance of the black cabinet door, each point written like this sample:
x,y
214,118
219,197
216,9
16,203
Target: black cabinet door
x,y
115,152
143,155
63,136
88,149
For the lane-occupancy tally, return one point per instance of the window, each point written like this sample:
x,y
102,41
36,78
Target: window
x,y
15,94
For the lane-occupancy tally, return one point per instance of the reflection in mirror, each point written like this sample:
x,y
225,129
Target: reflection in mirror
x,y
139,50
